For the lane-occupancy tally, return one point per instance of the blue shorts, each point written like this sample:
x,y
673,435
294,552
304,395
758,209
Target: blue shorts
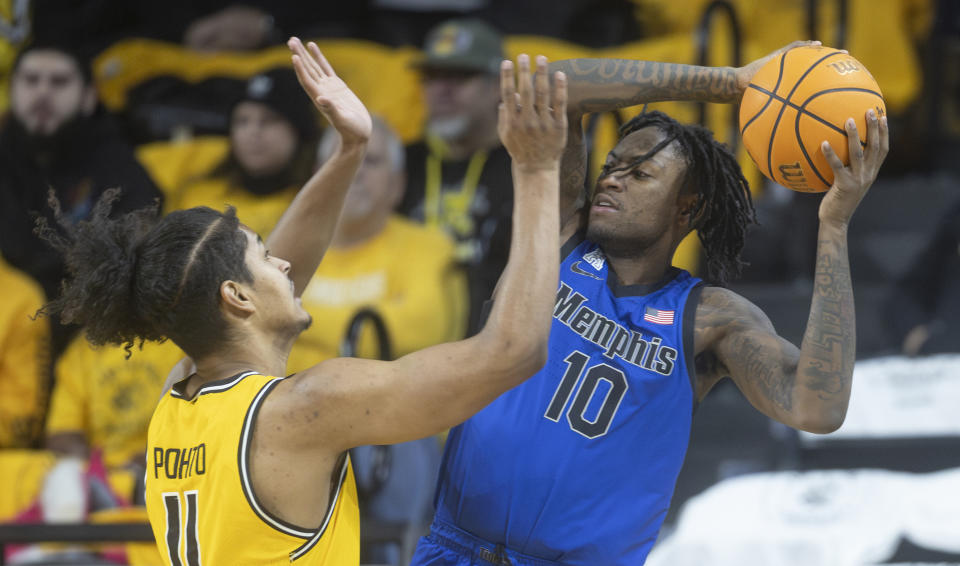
x,y
448,545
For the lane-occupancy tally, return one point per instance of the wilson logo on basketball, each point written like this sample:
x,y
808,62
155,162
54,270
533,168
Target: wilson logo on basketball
x,y
844,67
793,176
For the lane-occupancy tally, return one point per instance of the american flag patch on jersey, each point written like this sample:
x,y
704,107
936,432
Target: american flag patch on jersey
x,y
658,316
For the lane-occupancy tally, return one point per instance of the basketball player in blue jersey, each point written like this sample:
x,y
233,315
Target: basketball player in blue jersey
x,y
577,465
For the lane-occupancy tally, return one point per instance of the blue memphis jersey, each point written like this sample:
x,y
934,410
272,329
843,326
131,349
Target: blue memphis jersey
x,y
578,463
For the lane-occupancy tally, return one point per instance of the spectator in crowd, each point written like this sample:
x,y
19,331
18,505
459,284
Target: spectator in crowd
x,y
458,177
208,25
101,406
406,22
593,23
405,272
24,360
923,310
269,156
56,137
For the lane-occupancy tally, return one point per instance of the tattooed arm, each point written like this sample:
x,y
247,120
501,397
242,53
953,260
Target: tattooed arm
x,y
600,85
806,388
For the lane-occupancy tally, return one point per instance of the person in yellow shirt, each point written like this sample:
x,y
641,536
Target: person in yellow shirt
x,y
247,468
405,272
102,402
24,359
269,156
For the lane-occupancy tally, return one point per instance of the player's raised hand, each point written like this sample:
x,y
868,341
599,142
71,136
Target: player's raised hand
x,y
746,72
850,182
533,113
332,97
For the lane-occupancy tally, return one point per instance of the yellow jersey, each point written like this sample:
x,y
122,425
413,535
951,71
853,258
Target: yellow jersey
x,y
199,493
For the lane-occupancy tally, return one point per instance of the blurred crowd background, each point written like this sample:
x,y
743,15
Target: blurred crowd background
x,y
193,103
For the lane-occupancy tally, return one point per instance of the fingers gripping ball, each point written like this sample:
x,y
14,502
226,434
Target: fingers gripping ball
x,y
798,100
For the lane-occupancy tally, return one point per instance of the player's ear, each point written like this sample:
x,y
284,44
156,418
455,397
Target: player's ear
x,y
686,204
235,299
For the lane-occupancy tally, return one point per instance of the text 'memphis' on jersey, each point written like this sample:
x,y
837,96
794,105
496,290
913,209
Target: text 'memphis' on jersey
x,y
578,463
199,493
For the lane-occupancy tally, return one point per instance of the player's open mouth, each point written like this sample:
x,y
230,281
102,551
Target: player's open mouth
x,y
603,202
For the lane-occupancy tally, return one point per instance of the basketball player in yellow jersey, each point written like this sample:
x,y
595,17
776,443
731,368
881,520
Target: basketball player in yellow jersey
x,y
245,466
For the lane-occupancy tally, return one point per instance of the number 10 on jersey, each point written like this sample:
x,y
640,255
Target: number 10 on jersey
x,y
576,415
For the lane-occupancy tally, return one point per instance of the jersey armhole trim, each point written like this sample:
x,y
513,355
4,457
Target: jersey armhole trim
x,y
307,546
689,355
243,465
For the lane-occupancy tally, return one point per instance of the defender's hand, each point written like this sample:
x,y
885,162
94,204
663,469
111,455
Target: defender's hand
x,y
850,183
332,97
745,73
533,114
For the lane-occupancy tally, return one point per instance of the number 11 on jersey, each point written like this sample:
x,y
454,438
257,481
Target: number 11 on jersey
x,y
182,527
576,415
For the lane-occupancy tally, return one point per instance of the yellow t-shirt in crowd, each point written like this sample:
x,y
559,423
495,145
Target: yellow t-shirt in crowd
x,y
24,359
260,213
199,494
182,171
406,273
109,399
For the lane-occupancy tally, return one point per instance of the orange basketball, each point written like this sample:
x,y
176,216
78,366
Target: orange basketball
x,y
795,102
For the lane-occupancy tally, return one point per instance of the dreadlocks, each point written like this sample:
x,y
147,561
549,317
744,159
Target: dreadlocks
x,y
724,208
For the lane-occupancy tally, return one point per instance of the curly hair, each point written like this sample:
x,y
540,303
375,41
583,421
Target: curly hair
x,y
134,278
724,208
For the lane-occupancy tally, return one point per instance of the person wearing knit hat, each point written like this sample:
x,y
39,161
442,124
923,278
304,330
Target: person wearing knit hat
x,y
279,90
273,133
269,155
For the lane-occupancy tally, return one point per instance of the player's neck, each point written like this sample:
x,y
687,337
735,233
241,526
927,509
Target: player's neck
x,y
248,355
646,268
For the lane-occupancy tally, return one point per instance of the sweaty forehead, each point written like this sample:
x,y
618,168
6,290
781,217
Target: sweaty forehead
x,y
639,143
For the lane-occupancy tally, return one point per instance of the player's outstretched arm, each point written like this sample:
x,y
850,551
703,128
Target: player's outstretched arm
x,y
305,230
601,85
352,402
807,388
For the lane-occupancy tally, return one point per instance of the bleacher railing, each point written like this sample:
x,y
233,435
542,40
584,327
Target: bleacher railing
x,y
703,36
373,532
